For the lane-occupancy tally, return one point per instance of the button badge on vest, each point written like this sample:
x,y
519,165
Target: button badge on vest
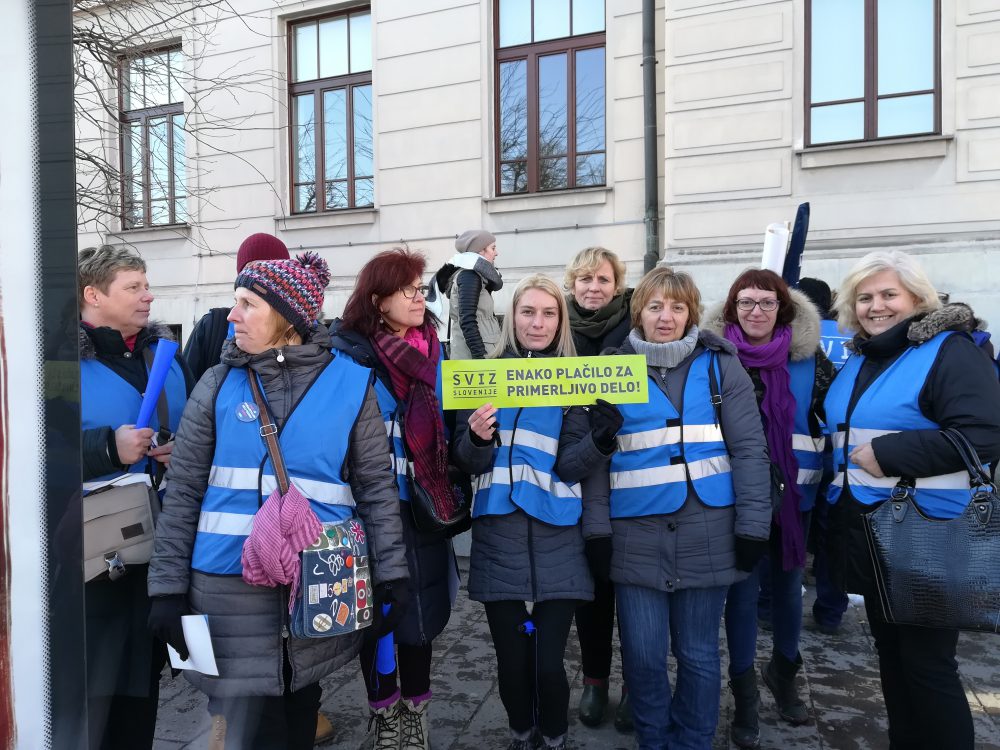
x,y
247,412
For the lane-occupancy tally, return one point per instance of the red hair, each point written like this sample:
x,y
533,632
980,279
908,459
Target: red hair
x,y
381,277
766,281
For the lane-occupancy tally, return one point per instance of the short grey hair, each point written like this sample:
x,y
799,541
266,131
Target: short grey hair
x,y
911,276
98,266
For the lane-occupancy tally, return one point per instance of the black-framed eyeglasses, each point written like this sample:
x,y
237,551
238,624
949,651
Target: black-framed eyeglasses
x,y
746,304
411,291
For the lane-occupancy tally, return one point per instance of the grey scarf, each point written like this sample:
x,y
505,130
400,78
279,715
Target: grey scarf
x,y
665,356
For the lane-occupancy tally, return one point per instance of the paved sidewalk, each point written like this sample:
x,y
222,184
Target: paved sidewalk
x,y
840,677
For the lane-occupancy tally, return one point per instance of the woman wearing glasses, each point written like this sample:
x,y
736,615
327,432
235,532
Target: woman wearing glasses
x,y
386,327
776,333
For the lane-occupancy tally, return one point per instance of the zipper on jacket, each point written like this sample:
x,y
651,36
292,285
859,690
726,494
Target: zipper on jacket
x,y
531,539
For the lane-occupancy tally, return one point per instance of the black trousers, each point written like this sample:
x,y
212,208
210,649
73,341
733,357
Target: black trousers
x,y
595,627
924,699
530,669
413,665
126,722
271,722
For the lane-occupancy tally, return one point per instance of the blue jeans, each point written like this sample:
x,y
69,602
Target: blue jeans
x,y
686,623
786,614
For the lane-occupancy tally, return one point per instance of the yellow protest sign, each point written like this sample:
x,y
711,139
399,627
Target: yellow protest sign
x,y
555,381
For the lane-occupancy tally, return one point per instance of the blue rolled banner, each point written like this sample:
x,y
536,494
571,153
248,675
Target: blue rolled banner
x,y
385,651
164,357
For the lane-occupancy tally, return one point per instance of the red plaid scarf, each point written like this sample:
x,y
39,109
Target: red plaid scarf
x,y
414,381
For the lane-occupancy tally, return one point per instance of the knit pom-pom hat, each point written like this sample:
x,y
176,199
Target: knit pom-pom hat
x,y
292,287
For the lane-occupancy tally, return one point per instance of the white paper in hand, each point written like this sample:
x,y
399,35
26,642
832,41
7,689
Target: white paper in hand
x,y
201,655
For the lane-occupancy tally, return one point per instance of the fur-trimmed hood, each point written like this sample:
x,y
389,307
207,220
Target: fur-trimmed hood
x,y
956,316
805,325
155,330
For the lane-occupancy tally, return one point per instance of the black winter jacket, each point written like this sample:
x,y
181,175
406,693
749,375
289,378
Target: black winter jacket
x,y
961,391
203,349
516,556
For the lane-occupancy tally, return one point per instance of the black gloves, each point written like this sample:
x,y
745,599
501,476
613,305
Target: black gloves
x,y
605,421
164,621
749,552
598,553
396,594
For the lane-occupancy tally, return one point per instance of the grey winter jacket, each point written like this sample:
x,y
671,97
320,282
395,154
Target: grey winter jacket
x,y
247,621
475,329
515,556
694,546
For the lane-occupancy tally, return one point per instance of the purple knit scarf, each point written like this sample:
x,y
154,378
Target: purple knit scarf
x,y
778,411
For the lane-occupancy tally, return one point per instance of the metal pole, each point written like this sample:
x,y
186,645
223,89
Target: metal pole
x,y
652,213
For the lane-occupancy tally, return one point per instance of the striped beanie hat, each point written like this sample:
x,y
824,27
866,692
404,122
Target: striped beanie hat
x,y
292,287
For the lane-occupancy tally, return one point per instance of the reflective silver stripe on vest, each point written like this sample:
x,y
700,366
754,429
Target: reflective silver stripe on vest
x,y
837,440
400,464
230,524
392,428
958,480
529,474
656,475
809,476
808,443
328,493
861,435
530,439
692,433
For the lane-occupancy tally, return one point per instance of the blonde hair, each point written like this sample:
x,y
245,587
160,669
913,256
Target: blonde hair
x,y
676,286
508,336
911,276
589,260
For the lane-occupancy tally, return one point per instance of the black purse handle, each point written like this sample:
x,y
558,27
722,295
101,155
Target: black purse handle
x,y
965,449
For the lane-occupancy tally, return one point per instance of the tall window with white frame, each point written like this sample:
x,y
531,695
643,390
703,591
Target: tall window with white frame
x,y
550,95
151,104
873,70
330,90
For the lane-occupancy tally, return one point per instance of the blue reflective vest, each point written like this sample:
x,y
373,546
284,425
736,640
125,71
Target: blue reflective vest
x,y
523,474
659,450
808,450
314,442
890,404
108,400
832,341
394,420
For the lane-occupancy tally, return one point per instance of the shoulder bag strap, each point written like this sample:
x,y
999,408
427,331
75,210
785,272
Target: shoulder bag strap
x,y
269,431
961,444
714,376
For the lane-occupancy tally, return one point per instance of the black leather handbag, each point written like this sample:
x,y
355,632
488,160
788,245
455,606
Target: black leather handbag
x,y
939,573
425,515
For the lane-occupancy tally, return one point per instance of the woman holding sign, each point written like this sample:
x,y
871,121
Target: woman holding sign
x,y
117,342
686,503
776,331
387,327
527,545
223,523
